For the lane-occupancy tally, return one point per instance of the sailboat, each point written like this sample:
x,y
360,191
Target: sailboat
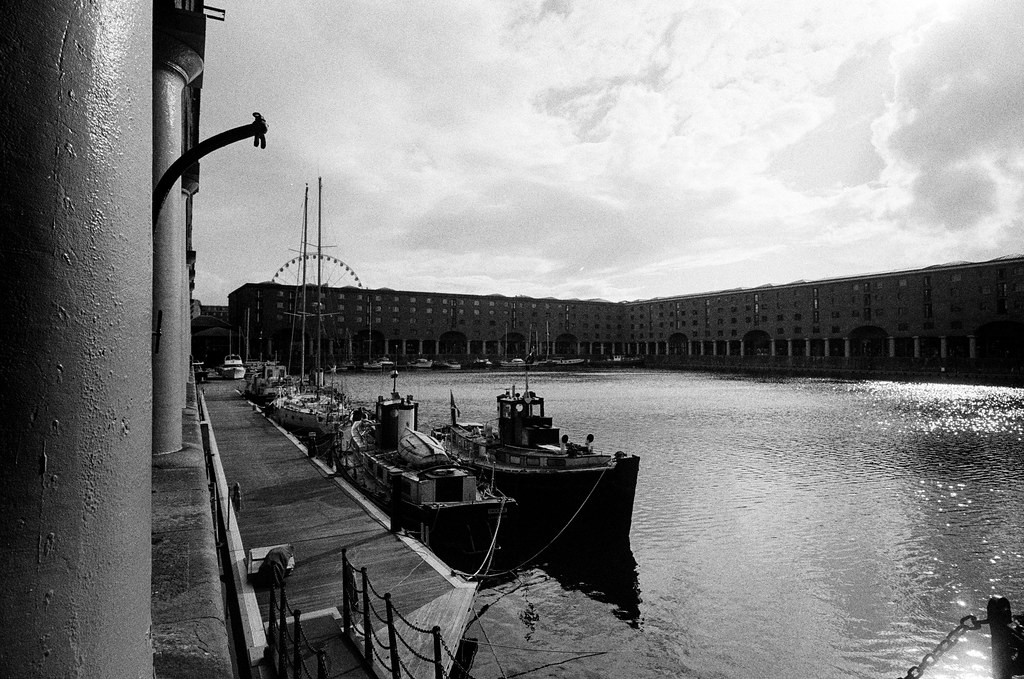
x,y
311,407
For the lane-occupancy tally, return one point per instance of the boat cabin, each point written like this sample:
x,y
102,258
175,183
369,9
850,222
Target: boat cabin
x,y
521,421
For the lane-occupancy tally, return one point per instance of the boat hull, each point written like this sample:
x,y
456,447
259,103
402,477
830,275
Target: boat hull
x,y
571,503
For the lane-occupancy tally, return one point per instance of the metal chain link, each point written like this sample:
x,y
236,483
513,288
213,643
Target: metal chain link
x,y
967,623
465,670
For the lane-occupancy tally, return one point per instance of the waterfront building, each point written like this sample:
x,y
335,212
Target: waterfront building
x,y
950,311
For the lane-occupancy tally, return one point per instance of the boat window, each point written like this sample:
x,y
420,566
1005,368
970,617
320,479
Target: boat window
x,y
532,461
515,459
556,462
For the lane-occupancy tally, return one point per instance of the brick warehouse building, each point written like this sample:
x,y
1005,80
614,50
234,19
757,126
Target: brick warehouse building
x,y
952,312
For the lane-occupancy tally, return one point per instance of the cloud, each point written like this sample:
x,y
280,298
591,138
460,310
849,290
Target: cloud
x,y
954,133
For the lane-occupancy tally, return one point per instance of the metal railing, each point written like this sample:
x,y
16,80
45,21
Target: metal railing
x,y
294,656
404,638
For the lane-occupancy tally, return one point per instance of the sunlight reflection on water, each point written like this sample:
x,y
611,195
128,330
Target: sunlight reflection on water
x,y
781,528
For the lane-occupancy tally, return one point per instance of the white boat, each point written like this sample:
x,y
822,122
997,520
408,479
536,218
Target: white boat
x,y
447,365
383,363
567,361
310,412
232,368
420,364
513,363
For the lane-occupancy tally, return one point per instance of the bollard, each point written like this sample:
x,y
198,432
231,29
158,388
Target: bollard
x,y
1007,645
396,501
396,668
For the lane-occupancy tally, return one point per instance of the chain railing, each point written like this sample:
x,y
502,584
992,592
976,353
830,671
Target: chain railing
x,y
285,651
1007,641
394,655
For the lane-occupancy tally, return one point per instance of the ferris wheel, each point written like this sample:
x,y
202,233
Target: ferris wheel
x,y
334,273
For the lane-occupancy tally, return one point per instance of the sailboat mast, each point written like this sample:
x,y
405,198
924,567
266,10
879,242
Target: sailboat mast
x,y
305,242
319,268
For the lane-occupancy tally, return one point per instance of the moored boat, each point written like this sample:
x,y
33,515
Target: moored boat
x,y
513,363
320,412
420,364
266,383
382,363
560,486
232,368
447,365
441,501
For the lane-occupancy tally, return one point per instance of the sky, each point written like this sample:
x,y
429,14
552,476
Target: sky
x,y
615,150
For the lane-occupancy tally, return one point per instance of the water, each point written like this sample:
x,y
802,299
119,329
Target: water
x,y
782,528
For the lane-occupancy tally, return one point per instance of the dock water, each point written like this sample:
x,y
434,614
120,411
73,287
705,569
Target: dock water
x,y
285,497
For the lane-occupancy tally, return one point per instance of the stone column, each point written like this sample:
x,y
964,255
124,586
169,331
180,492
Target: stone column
x,y
846,347
807,347
174,66
76,119
972,347
943,347
917,347
789,347
892,347
742,347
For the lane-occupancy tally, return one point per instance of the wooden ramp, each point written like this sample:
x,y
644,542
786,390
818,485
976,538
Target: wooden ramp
x,y
287,498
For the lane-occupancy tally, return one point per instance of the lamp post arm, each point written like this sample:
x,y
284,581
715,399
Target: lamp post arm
x,y
257,129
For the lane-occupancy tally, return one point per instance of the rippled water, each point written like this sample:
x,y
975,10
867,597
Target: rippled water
x,y
782,528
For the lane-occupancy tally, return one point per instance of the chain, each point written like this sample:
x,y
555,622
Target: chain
x,y
968,622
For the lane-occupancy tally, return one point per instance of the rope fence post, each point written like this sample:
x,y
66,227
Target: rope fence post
x,y
321,664
297,647
396,670
282,637
272,636
367,630
438,668
346,593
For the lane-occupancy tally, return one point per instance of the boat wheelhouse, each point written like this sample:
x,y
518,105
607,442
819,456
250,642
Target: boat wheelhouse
x,y
444,503
559,485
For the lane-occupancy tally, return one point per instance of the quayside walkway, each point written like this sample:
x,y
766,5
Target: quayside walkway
x,y
272,494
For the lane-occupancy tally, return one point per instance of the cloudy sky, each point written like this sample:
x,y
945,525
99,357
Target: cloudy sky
x,y
620,150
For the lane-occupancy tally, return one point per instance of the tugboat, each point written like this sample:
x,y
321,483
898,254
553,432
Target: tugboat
x,y
441,501
561,487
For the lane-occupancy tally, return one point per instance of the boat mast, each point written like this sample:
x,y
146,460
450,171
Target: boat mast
x,y
305,243
319,268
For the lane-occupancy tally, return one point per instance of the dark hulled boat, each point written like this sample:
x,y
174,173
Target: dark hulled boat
x,y
559,486
444,503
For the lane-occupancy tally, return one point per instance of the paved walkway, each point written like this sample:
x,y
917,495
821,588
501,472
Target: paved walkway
x,y
287,498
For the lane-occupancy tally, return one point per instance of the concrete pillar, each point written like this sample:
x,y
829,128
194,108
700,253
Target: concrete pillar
x,y
742,348
917,347
846,347
771,347
972,347
789,347
75,489
943,347
714,347
174,66
807,347
892,347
